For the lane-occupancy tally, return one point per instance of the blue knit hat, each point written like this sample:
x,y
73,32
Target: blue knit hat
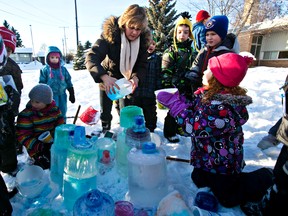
x,y
218,24
41,93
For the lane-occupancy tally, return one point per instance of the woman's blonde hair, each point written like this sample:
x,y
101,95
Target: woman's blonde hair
x,y
134,16
216,87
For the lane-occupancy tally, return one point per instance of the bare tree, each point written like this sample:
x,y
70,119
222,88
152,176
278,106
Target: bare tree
x,y
269,9
238,15
216,7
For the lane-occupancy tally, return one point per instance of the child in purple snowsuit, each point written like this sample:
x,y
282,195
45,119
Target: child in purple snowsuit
x,y
214,119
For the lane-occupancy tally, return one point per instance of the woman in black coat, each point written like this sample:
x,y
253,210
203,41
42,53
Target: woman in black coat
x,y
119,52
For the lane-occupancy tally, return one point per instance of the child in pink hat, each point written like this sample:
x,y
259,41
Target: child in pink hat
x,y
214,119
56,75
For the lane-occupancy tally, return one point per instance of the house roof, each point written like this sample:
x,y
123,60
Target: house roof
x,y
276,24
23,50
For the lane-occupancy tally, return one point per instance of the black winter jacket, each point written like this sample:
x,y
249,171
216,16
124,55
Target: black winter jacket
x,y
104,56
229,44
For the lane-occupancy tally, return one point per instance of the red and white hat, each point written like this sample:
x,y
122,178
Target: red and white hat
x,y
230,68
3,53
9,37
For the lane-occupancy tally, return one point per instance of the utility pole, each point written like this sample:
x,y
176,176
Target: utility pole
x,y
64,43
34,58
77,38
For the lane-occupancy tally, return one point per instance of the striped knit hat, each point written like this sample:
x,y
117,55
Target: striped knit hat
x,y
9,38
3,53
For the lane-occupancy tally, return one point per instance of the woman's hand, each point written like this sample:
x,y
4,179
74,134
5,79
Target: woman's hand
x,y
109,83
134,82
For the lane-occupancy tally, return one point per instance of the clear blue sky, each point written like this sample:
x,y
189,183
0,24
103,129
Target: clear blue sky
x,y
49,19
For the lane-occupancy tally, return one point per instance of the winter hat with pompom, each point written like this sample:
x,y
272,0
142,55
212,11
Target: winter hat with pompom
x,y
3,53
202,15
41,93
9,37
218,24
230,68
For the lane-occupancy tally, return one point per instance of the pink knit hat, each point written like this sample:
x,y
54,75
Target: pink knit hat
x,y
57,54
230,68
9,37
201,15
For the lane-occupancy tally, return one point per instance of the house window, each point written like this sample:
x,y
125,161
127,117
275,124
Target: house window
x,y
256,45
273,55
270,55
283,55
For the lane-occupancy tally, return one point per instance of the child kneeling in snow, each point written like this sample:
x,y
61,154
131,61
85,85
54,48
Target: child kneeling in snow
x,y
214,119
40,115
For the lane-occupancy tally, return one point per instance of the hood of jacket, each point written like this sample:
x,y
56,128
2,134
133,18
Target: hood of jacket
x,y
230,43
51,49
234,100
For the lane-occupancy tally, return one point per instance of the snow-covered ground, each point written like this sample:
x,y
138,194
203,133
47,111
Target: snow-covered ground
x,y
263,85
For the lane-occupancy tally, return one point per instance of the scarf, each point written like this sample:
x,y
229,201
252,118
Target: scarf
x,y
128,55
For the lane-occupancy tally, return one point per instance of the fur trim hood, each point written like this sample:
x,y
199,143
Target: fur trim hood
x,y
238,100
111,31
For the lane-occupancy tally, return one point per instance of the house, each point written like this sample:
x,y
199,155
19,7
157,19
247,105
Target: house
x,y
22,55
41,57
267,41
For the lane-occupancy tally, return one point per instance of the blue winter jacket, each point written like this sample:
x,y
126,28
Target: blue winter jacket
x,y
58,79
199,34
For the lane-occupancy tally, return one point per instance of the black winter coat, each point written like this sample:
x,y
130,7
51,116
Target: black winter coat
x,y
229,44
104,56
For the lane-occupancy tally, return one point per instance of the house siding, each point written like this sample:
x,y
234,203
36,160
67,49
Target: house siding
x,y
275,42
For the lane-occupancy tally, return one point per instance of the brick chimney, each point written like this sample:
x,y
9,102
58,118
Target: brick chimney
x,y
252,18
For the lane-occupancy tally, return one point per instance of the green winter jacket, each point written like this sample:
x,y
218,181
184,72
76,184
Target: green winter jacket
x,y
175,65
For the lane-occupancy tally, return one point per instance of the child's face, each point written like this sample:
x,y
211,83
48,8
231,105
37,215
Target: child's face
x,y
212,38
207,74
38,105
54,59
152,46
183,32
132,32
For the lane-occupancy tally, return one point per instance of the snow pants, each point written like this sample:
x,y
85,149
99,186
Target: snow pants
x,y
106,106
170,126
149,108
8,154
237,189
279,196
5,205
61,102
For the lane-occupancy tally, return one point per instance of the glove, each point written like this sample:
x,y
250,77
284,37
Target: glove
x,y
196,80
193,76
71,94
43,148
175,102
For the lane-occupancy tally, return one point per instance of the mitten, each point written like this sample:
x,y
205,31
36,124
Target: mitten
x,y
71,94
175,102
